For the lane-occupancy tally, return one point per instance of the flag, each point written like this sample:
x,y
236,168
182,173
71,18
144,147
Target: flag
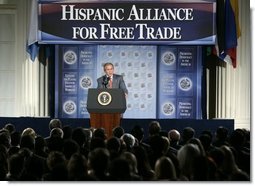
x,y
228,30
33,50
32,42
220,7
235,7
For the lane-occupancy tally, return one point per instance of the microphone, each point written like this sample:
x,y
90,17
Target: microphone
x,y
105,81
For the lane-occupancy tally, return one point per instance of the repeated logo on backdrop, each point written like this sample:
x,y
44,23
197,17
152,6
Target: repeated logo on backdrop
x,y
137,64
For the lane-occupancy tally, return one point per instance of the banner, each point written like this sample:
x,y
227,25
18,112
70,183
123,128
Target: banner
x,y
179,80
132,22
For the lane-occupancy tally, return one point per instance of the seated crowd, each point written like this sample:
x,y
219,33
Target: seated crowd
x,y
88,154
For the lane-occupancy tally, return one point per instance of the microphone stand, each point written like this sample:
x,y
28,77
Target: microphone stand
x,y
105,81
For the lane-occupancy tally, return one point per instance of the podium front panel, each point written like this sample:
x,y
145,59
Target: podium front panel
x,y
106,101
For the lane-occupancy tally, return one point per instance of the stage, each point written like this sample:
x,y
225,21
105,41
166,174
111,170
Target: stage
x,y
41,124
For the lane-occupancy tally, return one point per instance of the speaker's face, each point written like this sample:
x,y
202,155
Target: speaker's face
x,y
109,70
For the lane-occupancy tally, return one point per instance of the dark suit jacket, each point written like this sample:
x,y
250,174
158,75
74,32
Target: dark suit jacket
x,y
117,82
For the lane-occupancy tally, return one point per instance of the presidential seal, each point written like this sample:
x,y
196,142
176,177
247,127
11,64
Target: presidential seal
x,y
104,98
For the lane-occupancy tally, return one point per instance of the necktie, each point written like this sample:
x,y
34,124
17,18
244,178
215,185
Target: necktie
x,y
110,83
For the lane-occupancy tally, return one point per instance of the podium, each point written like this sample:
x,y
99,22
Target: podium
x,y
105,107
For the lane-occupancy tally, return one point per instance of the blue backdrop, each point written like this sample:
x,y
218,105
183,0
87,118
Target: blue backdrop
x,y
163,81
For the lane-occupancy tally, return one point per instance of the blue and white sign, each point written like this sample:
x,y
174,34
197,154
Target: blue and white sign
x,y
133,22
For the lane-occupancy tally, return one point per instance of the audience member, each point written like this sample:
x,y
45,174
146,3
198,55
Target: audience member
x,y
97,143
67,130
27,141
129,140
197,142
88,137
5,139
118,132
187,134
131,159
174,139
113,145
168,152
154,128
143,164
247,140
55,123
138,133
34,165
56,163
10,127
242,157
78,169
41,147
119,170
15,143
229,167
99,133
56,132
15,138
16,166
221,137
187,156
98,163
158,146
29,131
55,141
80,137
206,141
165,170
3,162
70,147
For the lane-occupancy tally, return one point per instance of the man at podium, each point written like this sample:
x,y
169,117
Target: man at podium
x,y
111,80
109,119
